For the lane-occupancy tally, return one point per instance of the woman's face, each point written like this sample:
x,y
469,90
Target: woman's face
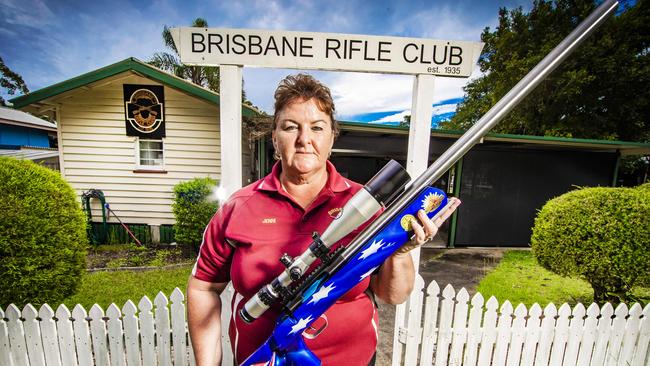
x,y
303,137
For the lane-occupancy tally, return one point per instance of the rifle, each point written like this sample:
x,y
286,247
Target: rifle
x,y
305,298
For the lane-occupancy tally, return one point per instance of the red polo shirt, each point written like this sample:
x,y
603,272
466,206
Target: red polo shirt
x,y
243,243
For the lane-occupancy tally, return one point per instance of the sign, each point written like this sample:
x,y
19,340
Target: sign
x,y
144,110
325,51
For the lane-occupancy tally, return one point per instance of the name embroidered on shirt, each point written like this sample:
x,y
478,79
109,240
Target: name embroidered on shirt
x,y
269,220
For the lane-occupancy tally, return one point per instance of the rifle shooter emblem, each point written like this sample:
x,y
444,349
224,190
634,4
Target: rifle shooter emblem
x,y
432,201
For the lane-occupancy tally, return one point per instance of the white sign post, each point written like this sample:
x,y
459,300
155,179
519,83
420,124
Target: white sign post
x,y
424,58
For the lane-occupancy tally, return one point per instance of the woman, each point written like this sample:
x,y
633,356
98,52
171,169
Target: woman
x,y
276,215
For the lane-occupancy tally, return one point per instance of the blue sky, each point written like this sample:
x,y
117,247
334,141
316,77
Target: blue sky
x,y
49,41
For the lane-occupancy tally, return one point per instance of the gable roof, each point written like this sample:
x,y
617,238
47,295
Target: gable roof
x,y
129,64
19,118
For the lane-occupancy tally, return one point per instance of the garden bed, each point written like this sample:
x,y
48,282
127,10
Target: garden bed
x,y
132,257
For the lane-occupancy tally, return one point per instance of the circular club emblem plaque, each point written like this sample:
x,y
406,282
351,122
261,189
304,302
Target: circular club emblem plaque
x,y
144,111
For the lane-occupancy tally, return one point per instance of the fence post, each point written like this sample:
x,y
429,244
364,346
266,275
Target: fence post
x,y
576,330
504,329
115,335
5,349
618,328
489,331
533,330
99,335
459,337
48,334
33,336
162,330
413,330
430,332
518,336
82,336
474,330
444,325
588,335
131,334
631,334
641,355
147,332
179,328
65,334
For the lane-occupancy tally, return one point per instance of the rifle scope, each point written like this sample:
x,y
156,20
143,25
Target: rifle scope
x,y
380,191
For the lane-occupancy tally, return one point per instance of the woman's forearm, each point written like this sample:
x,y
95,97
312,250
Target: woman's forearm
x,y
394,282
204,321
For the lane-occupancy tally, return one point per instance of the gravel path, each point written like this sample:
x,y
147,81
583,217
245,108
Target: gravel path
x,y
463,267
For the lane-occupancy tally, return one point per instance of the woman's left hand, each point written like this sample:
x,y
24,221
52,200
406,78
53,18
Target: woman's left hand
x,y
426,229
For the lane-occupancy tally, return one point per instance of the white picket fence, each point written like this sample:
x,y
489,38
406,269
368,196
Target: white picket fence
x,y
456,331
149,334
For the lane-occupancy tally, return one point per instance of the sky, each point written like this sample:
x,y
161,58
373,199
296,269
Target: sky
x,y
49,41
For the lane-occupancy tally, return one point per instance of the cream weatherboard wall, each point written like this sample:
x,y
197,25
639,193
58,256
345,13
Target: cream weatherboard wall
x,y
96,153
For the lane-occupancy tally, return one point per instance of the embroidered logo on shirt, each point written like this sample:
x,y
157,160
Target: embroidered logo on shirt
x,y
335,213
270,220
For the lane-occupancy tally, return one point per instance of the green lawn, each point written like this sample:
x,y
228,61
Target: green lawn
x,y
117,287
520,279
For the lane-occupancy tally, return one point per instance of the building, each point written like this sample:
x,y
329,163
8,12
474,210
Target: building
x,y
502,181
102,147
24,136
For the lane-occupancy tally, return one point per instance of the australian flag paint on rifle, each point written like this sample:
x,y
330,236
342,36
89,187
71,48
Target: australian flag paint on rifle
x,y
286,347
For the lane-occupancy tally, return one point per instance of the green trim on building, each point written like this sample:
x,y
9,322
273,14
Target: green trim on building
x,y
129,64
496,136
454,217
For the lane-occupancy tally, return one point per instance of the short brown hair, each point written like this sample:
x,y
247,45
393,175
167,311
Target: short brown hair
x,y
304,87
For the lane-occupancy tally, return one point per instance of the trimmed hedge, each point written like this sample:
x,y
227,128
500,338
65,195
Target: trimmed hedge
x,y
42,235
193,209
599,234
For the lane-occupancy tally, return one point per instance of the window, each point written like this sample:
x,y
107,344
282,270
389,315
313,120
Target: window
x,y
150,154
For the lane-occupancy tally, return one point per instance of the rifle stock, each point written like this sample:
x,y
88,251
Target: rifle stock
x,y
285,346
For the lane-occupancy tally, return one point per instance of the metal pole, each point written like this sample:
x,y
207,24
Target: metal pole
x,y
492,117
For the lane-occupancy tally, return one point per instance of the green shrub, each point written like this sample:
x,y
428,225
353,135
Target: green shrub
x,y
599,234
42,235
645,187
193,209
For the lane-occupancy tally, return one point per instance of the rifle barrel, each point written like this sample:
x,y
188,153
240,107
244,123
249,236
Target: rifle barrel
x,y
491,118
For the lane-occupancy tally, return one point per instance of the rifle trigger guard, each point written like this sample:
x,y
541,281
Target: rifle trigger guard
x,y
311,332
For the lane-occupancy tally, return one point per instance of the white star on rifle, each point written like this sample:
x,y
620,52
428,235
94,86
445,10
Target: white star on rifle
x,y
302,324
372,249
367,273
321,294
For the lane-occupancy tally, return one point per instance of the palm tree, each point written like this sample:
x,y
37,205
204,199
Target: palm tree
x,y
205,76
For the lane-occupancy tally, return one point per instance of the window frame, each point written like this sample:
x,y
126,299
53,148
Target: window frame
x,y
144,168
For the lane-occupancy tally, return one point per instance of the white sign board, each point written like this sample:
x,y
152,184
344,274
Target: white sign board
x,y
325,51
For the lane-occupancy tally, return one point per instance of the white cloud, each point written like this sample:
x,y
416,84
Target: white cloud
x,y
444,108
361,93
435,110
397,117
29,13
357,93
441,22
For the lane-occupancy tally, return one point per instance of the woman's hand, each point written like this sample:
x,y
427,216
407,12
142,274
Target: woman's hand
x,y
426,229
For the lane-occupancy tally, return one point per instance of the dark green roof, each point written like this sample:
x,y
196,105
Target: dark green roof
x,y
129,64
637,147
